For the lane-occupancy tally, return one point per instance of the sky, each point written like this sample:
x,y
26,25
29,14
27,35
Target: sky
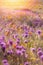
x,y
22,4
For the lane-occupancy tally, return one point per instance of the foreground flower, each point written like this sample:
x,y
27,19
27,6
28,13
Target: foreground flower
x,y
39,53
5,62
19,52
33,49
9,52
39,49
3,48
39,31
41,57
11,42
26,63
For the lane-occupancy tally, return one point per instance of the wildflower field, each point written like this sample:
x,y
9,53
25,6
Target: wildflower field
x,y
21,40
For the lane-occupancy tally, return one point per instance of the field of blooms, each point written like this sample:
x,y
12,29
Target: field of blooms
x,y
21,40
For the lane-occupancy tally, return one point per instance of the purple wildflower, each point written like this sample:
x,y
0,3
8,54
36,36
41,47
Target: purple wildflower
x,y
39,53
18,41
3,48
25,41
23,50
39,49
18,52
5,64
15,36
41,57
19,47
33,49
9,52
4,61
26,63
26,35
10,42
39,31
3,43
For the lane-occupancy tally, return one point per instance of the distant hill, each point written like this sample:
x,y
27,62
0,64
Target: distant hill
x,y
30,13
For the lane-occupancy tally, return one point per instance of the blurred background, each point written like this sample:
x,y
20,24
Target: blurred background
x,y
34,5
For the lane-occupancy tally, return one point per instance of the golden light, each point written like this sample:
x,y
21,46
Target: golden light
x,y
15,4
20,4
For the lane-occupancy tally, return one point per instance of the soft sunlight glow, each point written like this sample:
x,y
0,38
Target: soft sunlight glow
x,y
20,4
15,4
12,1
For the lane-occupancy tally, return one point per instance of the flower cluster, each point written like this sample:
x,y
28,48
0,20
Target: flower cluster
x,y
21,42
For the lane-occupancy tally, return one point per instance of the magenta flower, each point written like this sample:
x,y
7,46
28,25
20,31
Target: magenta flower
x,y
19,47
39,53
39,31
2,43
11,42
15,36
4,61
5,64
23,50
41,57
9,52
33,49
39,49
18,41
18,52
25,41
3,48
26,63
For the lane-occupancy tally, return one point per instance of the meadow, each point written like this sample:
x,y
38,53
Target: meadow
x,y
21,40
